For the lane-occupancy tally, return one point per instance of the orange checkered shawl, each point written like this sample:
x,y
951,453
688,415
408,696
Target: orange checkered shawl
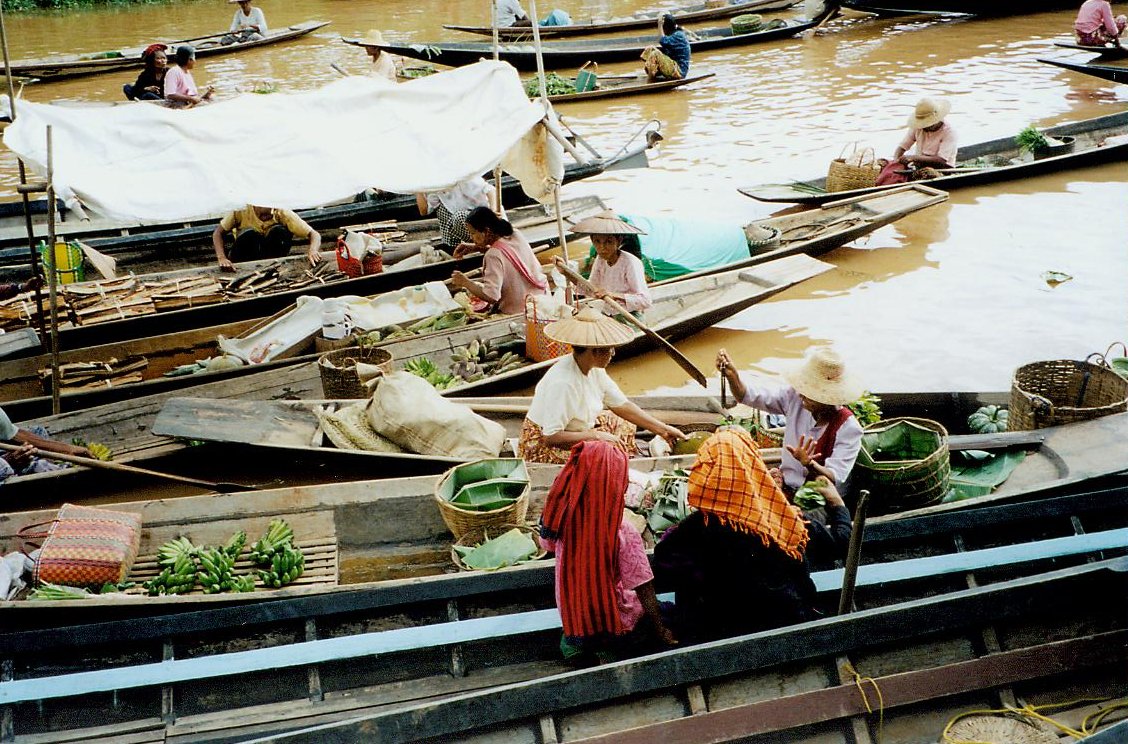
x,y
583,510
731,482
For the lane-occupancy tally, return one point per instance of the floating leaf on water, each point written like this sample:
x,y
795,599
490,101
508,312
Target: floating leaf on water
x,y
1054,278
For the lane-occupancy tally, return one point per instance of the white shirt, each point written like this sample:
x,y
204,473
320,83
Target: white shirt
x,y
508,13
256,18
463,196
8,430
568,400
784,400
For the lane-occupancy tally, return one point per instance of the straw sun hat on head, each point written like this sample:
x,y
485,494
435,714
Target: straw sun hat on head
x,y
822,377
929,111
374,38
589,328
605,223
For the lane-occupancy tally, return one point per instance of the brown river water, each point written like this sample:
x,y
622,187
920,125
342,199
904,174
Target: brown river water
x,y
951,298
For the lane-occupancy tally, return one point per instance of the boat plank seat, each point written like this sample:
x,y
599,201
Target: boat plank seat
x,y
315,533
492,628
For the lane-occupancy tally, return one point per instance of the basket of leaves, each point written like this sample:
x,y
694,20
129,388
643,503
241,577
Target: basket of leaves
x,y
904,462
481,494
497,546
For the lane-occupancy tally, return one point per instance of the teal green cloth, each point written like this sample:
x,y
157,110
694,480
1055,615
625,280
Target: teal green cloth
x,y
674,247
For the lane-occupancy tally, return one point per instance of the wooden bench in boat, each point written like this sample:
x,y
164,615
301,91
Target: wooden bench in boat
x,y
315,533
491,628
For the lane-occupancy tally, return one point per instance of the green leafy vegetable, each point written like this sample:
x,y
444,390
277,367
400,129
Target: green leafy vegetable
x,y
807,497
1031,140
866,409
556,85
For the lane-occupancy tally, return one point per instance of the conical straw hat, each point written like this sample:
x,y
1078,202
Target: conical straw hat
x,y
822,377
589,328
605,223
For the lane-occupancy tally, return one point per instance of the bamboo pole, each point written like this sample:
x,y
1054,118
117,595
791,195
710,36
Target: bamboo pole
x,y
496,56
53,274
23,177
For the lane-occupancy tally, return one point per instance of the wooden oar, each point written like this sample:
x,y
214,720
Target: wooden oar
x,y
90,462
200,38
665,345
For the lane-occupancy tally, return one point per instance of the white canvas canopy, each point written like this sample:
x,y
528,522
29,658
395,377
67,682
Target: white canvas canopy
x,y
293,150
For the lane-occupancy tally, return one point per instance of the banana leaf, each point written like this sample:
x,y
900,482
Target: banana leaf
x,y
978,476
508,549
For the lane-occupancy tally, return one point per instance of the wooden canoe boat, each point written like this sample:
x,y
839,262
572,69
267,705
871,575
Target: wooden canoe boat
x,y
646,20
627,85
541,231
985,162
1105,53
575,53
812,232
1115,73
373,656
165,238
77,65
962,7
680,309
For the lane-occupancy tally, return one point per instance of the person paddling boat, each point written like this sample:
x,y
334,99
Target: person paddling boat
x,y
617,271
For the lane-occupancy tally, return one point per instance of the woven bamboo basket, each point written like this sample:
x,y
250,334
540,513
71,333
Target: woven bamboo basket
x,y
747,23
478,535
1063,391
759,243
904,463
462,521
844,175
339,378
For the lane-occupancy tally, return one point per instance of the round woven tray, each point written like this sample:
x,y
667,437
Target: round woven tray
x,y
1063,391
906,484
479,535
338,370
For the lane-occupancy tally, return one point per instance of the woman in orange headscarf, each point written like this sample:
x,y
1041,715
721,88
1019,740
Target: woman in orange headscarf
x,y
604,584
738,564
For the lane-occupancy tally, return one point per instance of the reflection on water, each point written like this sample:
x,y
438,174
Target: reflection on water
x,y
948,298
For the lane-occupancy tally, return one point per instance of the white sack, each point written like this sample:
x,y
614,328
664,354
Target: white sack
x,y
409,411
291,150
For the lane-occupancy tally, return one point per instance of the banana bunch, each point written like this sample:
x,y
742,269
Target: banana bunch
x,y
286,566
235,544
97,450
479,358
177,577
508,362
278,534
425,368
216,572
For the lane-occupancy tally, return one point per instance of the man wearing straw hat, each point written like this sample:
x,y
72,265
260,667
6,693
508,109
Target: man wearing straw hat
x,y
616,272
822,437
249,24
577,401
384,65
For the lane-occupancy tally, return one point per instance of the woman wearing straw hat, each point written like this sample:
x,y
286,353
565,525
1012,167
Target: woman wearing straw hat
x,y
577,401
933,138
384,65
822,436
617,270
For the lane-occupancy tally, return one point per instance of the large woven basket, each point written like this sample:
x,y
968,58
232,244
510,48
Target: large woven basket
x,y
462,521
746,23
478,535
904,463
1062,391
339,378
858,171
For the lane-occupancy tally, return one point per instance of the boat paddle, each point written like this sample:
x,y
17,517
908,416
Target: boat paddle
x,y
665,345
90,462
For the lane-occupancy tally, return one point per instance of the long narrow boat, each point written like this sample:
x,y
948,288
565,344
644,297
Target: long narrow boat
x,y
961,7
646,20
1115,73
576,53
812,232
64,67
629,85
1104,53
984,162
680,309
110,237
399,662
541,230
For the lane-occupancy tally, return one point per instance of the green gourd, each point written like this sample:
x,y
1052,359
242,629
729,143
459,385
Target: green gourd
x,y
988,420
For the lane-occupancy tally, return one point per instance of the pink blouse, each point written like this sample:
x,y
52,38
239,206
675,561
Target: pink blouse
x,y
180,82
503,283
634,571
625,279
1093,15
940,143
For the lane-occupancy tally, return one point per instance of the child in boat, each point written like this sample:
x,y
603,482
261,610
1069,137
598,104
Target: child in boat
x,y
616,272
604,584
1095,25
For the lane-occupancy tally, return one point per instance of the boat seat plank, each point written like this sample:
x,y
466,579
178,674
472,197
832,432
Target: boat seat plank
x,y
491,628
131,732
